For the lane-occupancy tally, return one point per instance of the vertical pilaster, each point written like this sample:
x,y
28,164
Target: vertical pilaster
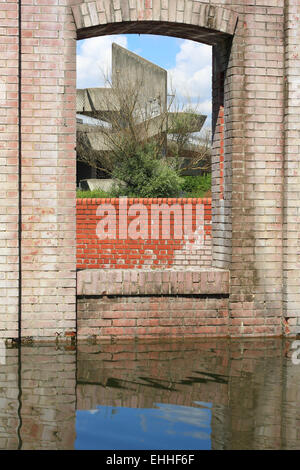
x,y
291,276
257,101
48,169
9,195
221,157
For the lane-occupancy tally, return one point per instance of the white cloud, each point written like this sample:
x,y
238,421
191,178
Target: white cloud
x,y
94,60
205,107
191,76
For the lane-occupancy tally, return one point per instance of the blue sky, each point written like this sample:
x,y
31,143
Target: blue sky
x,y
188,64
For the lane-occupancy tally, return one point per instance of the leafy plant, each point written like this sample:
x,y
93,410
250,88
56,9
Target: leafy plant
x,y
196,186
147,174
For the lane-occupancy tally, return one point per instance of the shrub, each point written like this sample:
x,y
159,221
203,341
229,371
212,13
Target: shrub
x,y
147,174
196,186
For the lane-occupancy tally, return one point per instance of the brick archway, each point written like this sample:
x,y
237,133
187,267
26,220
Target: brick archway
x,y
234,244
201,22
195,20
256,139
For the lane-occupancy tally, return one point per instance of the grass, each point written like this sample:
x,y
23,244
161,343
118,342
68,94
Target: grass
x,y
97,193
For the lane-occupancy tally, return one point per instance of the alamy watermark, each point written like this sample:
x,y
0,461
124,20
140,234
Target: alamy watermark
x,y
163,221
296,354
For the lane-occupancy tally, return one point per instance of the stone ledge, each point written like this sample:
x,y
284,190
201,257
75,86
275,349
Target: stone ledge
x,y
148,282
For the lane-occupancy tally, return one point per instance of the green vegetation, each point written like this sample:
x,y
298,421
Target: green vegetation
x,y
146,173
149,158
98,193
196,186
162,184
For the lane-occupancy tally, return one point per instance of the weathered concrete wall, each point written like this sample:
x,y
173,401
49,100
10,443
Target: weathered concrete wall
x,y
256,144
128,70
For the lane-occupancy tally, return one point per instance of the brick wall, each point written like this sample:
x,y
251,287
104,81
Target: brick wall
x,y
182,316
48,135
9,199
152,317
146,252
253,144
291,238
255,149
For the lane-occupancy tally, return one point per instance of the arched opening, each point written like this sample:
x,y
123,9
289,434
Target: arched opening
x,y
198,22
213,26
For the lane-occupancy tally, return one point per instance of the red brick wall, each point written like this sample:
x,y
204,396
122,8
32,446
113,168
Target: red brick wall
x,y
146,252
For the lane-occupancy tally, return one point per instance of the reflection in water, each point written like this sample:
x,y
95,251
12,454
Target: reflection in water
x,y
209,394
164,426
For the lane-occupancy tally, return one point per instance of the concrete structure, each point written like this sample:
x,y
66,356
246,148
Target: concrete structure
x,y
127,68
256,167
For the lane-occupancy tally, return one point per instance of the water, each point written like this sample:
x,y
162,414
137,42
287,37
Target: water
x,y
189,395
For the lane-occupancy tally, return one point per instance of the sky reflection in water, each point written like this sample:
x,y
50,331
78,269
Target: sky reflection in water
x,y
164,427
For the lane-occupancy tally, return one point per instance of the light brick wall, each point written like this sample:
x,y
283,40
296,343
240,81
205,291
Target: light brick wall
x,y
124,282
247,211
291,279
133,293
9,199
221,156
48,168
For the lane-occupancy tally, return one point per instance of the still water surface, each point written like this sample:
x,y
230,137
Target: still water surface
x,y
210,394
